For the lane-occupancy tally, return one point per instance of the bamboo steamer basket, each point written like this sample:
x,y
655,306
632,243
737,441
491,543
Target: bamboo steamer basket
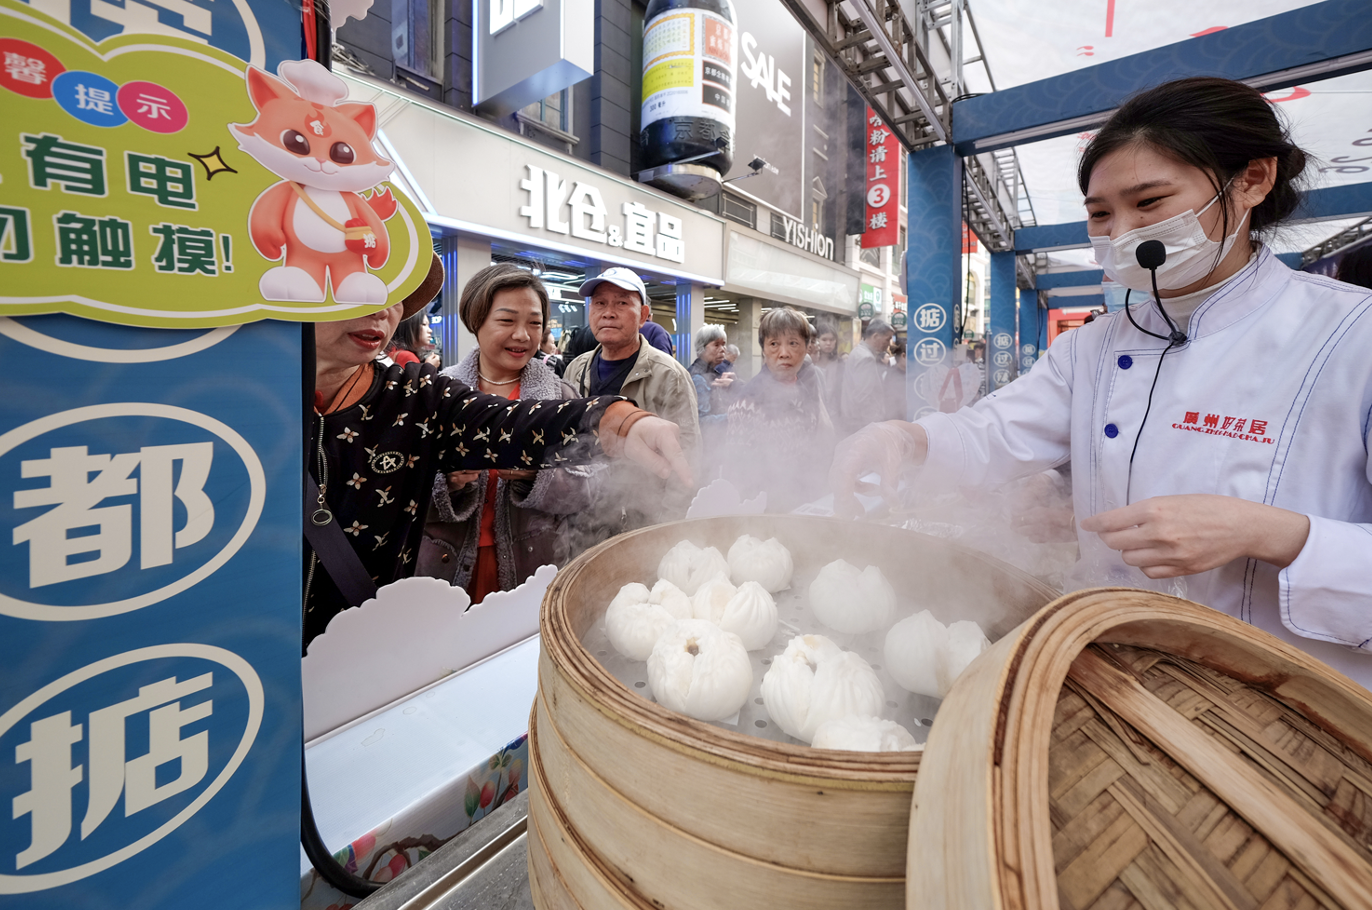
x,y
635,806
1126,749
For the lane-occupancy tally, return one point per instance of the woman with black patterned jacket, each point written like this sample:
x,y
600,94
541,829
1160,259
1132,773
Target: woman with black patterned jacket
x,y
380,434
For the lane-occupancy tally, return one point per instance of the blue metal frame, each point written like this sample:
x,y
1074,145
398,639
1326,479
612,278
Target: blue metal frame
x,y
1003,328
1270,53
1324,204
1084,278
933,269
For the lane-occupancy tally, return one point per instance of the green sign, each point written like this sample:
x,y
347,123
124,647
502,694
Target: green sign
x,y
865,311
159,182
898,319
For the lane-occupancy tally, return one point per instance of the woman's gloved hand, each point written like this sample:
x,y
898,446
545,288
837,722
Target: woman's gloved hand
x,y
879,447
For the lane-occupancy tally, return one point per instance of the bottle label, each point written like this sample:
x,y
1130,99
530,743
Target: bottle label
x,y
689,61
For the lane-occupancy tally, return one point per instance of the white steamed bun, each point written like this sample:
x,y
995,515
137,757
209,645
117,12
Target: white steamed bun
x,y
633,622
863,733
698,669
766,562
851,601
813,681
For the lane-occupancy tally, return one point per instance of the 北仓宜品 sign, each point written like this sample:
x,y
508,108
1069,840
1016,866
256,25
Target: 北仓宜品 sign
x,y
150,180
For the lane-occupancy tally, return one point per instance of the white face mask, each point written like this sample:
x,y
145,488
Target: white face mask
x,y
1190,253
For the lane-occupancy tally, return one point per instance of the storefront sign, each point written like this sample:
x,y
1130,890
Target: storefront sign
x,y
882,225
163,185
811,239
865,311
898,319
578,208
870,295
771,106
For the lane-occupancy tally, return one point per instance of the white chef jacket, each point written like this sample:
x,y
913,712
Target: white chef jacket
x,y
1269,400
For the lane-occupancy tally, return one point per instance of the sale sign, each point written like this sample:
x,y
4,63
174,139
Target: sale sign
x,y
881,227
152,180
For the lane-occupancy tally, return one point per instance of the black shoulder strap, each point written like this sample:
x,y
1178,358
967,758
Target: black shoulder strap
x,y
338,556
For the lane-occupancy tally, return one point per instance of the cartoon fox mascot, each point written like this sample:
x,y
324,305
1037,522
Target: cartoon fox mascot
x,y
316,218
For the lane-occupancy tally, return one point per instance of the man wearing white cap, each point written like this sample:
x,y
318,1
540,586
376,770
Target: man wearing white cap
x,y
622,363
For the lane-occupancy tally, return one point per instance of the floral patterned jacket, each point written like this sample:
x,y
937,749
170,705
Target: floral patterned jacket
x,y
376,460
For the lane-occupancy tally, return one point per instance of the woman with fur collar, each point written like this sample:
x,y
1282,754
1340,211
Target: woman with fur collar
x,y
490,530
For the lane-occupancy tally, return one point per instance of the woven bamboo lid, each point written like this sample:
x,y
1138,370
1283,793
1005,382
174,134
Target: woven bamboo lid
x,y
1124,749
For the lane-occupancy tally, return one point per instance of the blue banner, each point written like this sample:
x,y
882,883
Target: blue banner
x,y
1000,348
933,268
149,613
1031,319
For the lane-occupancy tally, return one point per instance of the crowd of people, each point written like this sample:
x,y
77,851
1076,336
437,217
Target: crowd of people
x,y
488,516
474,475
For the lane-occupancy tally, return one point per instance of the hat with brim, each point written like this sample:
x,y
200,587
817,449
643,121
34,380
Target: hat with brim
x,y
424,295
619,277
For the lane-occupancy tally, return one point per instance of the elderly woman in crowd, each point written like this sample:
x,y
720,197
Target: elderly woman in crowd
x,y
490,530
380,433
780,436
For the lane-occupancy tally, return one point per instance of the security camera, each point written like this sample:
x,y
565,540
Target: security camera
x,y
758,163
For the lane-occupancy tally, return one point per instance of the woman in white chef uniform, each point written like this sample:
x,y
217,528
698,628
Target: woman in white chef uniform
x,y
1235,460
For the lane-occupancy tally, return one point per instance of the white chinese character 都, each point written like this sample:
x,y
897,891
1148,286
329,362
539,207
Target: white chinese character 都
x,y
94,99
154,107
877,154
78,501
878,221
638,228
26,69
670,244
878,137
52,776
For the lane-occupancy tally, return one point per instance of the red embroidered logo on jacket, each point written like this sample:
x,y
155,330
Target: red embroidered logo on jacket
x,y
1245,428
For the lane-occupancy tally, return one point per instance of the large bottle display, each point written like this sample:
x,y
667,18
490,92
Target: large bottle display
x,y
690,54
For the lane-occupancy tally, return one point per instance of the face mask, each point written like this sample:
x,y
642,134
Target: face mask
x,y
1190,253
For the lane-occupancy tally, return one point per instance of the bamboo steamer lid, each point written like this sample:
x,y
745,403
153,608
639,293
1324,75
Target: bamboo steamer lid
x,y
1125,749
635,806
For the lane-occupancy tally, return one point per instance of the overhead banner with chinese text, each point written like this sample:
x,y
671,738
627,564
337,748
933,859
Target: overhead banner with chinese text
x,y
882,225
153,180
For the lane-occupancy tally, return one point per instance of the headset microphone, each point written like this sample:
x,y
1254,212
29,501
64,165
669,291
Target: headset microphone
x,y
1151,254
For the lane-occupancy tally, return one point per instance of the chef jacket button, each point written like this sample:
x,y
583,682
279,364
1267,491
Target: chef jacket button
x,y
444,557
1111,430
1125,361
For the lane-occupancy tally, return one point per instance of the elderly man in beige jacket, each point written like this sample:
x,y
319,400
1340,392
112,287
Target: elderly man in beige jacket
x,y
623,363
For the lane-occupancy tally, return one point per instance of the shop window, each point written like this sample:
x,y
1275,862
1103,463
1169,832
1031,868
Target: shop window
x,y
736,208
871,255
817,196
417,40
549,121
817,79
778,226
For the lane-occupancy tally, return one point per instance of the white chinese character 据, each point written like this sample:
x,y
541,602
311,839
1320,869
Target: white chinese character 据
x,y
638,228
878,221
26,69
78,501
94,99
670,244
52,775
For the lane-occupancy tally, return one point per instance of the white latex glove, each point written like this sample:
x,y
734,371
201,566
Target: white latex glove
x,y
656,444
879,447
